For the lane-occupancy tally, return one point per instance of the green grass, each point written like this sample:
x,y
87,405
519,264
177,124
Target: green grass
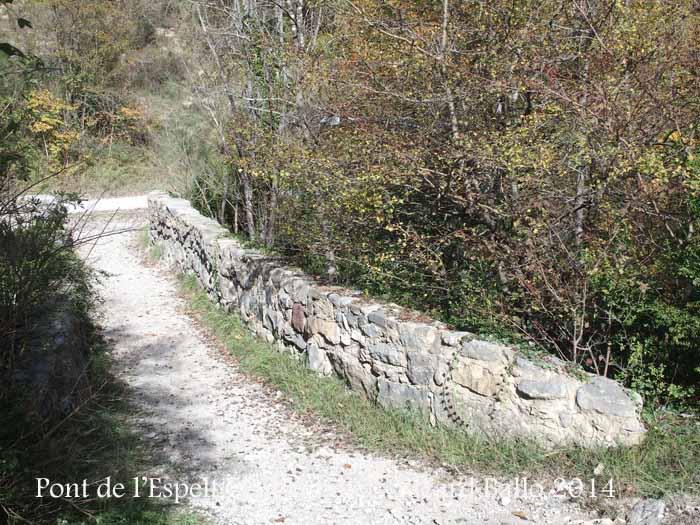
x,y
118,168
667,462
155,251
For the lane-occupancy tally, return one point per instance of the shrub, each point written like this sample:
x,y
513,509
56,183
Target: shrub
x,y
37,264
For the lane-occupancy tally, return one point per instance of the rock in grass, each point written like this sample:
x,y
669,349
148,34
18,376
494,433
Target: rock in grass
x,y
647,512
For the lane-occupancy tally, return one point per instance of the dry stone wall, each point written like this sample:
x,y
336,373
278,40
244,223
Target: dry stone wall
x,y
392,355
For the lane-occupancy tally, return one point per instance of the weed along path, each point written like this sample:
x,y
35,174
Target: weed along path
x,y
238,451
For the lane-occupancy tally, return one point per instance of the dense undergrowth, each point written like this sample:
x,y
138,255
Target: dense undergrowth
x,y
522,169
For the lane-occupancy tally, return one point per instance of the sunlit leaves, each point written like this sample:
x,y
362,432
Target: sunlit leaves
x,y
528,164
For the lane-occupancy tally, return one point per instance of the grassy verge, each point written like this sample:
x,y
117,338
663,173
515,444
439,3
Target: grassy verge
x,y
93,442
667,462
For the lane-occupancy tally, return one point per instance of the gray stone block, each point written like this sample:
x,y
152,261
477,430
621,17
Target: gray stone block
x,y
370,330
553,389
294,338
378,317
317,360
452,338
606,397
477,378
418,336
647,512
387,353
485,351
323,309
421,368
395,395
328,329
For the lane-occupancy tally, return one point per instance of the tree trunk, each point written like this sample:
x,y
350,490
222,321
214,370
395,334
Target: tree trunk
x,y
248,205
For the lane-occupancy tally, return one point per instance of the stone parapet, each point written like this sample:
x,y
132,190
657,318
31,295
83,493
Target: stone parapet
x,y
394,356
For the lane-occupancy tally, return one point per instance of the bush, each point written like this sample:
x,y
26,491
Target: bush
x,y
37,264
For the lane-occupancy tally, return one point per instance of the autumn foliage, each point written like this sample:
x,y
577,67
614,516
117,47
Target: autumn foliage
x,y
525,169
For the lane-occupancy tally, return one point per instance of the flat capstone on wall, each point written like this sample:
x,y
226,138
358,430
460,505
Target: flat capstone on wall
x,y
388,353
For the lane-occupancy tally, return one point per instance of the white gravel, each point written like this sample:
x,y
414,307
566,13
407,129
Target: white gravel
x,y
135,202
111,204
208,421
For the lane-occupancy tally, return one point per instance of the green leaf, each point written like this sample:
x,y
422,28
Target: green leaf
x,y
23,22
10,50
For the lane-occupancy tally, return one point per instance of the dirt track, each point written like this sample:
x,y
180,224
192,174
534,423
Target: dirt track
x,y
207,421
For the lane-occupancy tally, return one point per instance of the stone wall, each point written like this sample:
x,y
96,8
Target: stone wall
x,y
392,355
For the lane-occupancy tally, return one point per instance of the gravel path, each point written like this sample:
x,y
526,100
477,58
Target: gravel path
x,y
106,204
208,421
135,202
